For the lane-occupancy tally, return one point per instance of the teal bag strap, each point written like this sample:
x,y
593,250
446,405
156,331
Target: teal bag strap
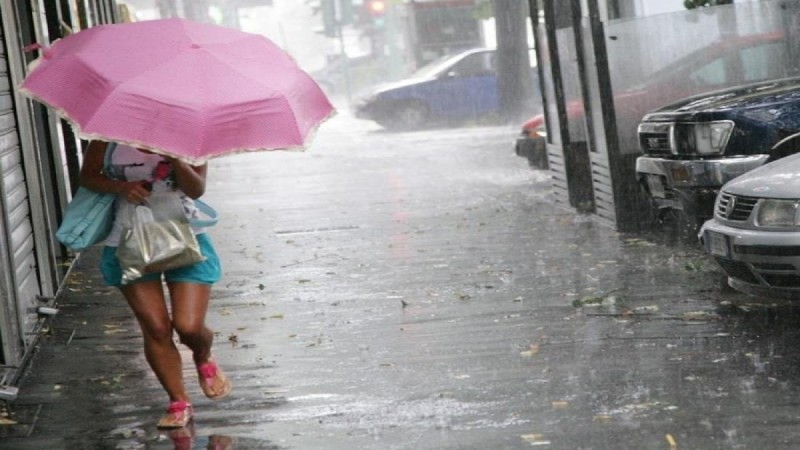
x,y
211,215
107,169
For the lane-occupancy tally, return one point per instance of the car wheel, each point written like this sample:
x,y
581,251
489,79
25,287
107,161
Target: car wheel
x,y
410,116
535,151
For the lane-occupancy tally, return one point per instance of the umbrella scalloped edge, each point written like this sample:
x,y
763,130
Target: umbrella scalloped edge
x,y
310,135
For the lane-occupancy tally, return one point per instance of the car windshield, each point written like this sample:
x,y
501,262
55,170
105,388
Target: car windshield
x,y
752,49
436,66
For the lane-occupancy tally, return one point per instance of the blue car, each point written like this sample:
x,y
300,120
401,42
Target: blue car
x,y
453,88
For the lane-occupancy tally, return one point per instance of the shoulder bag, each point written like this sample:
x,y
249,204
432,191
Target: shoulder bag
x,y
156,236
89,215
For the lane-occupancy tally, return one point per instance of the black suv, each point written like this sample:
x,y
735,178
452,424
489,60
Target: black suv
x,y
694,146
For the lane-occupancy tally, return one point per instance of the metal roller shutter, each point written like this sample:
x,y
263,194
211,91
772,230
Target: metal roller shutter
x,y
20,285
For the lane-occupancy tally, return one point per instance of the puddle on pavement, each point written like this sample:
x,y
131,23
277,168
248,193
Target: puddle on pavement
x,y
371,414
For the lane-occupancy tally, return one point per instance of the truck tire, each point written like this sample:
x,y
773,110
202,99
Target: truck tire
x,y
696,206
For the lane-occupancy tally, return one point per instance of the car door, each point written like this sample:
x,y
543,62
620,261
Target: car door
x,y
466,89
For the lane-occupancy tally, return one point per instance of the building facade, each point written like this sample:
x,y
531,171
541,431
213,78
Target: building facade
x,y
39,162
601,72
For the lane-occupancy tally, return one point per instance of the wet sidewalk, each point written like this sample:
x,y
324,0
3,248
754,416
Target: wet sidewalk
x,y
421,290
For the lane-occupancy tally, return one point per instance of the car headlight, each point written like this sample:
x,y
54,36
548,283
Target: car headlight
x,y
778,213
706,138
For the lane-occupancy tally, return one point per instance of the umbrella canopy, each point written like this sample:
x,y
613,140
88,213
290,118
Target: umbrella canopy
x,y
184,89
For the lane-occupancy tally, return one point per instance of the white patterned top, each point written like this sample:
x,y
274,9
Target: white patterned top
x,y
130,164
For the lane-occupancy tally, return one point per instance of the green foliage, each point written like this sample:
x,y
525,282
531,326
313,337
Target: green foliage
x,y
693,4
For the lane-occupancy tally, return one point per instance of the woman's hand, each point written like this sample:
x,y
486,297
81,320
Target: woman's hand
x,y
191,179
92,177
135,192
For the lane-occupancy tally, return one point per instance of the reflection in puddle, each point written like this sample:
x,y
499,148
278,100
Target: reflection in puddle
x,y
187,438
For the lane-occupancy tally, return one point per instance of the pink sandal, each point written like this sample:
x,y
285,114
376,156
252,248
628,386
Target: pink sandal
x,y
210,373
178,415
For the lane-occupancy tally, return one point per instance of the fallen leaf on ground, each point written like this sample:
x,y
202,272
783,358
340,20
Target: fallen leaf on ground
x,y
533,349
115,331
535,439
589,300
598,299
699,315
695,266
673,445
640,242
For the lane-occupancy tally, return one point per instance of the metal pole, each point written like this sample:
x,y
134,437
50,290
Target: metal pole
x,y
337,15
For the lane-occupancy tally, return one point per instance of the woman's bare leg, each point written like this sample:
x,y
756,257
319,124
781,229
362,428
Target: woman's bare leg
x,y
189,307
146,299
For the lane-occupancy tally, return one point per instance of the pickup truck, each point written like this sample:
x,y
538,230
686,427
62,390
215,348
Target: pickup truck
x,y
728,62
694,146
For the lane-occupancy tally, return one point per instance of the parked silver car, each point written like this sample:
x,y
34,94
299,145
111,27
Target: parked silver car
x,y
755,232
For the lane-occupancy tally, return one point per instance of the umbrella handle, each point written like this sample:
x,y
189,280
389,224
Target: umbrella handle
x,y
46,51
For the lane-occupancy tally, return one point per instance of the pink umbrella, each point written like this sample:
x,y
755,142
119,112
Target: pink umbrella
x,y
184,89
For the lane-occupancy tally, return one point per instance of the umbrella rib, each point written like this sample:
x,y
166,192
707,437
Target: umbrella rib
x,y
236,70
294,121
258,82
133,78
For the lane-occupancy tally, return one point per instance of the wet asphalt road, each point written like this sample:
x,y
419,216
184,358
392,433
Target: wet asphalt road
x,y
421,291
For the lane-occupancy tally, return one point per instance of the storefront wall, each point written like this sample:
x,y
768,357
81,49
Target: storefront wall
x,y
34,178
603,76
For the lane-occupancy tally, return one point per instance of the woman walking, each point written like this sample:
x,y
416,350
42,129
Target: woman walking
x,y
135,175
